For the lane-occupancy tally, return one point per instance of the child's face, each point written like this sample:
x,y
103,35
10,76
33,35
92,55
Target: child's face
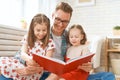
x,y
40,31
75,36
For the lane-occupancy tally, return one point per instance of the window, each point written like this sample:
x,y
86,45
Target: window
x,y
13,11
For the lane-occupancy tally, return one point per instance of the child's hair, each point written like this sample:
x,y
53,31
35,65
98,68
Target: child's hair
x,y
38,19
83,41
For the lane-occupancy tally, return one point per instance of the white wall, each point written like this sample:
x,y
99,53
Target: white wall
x,y
13,11
98,19
10,12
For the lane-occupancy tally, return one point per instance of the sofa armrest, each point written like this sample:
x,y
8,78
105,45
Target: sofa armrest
x,y
95,46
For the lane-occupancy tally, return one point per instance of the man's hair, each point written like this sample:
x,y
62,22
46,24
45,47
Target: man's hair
x,y
65,7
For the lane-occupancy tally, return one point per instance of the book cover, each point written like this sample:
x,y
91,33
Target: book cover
x,y
60,67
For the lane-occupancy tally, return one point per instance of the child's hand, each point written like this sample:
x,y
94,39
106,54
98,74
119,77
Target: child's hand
x,y
31,62
28,59
86,67
29,70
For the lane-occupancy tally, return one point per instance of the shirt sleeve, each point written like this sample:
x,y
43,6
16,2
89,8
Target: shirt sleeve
x,y
24,40
18,54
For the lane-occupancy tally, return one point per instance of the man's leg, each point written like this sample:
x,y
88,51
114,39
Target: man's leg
x,y
52,76
102,76
44,75
4,78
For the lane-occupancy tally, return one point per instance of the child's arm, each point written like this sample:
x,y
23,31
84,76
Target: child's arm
x,y
24,53
31,66
86,66
50,53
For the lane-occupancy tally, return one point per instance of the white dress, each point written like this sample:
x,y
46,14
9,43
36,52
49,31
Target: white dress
x,y
9,64
75,51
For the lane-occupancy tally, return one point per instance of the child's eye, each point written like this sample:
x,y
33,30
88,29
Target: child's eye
x,y
71,36
38,30
44,30
76,36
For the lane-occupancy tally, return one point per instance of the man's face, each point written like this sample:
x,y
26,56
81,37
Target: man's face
x,y
61,20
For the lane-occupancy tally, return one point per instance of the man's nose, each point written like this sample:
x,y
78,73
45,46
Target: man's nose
x,y
61,23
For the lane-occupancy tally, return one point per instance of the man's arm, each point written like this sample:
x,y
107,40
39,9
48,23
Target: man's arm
x,y
18,56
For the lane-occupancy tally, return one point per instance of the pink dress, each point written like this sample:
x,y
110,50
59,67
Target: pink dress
x,y
9,64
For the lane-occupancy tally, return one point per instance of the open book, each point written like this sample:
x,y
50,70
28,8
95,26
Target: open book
x,y
60,67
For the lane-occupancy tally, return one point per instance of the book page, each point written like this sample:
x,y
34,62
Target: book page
x,y
79,57
53,59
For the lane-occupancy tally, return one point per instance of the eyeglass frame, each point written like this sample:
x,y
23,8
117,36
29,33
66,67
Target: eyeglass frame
x,y
64,22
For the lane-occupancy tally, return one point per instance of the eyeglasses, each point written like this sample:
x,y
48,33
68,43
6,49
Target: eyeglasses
x,y
58,20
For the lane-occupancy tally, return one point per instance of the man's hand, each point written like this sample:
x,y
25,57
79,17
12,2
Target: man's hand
x,y
86,67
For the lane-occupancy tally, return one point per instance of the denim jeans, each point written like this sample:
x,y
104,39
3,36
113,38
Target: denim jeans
x,y
4,78
97,76
102,76
45,75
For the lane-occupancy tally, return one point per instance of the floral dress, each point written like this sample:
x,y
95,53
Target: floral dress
x,y
8,65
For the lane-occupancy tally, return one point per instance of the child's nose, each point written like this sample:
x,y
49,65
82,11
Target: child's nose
x,y
40,32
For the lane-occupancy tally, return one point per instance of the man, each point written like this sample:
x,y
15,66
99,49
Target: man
x,y
61,18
